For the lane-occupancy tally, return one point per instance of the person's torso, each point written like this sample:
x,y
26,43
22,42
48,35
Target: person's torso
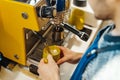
x,y
95,67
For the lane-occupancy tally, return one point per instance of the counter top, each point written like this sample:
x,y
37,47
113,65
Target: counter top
x,y
18,73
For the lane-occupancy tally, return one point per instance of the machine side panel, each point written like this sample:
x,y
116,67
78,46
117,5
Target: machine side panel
x,y
14,17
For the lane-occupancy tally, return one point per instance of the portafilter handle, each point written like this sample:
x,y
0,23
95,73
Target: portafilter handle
x,y
82,35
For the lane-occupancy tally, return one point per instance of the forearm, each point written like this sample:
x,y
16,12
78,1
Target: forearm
x,y
51,76
56,77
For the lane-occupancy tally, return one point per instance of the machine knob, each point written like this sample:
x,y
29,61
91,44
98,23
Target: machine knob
x,y
46,11
79,3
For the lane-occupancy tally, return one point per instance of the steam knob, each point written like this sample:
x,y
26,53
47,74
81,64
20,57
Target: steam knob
x,y
79,3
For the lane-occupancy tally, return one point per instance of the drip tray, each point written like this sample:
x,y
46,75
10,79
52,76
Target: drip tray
x,y
37,53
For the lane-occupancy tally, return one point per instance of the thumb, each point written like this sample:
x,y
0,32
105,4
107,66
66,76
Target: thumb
x,y
62,60
50,58
61,47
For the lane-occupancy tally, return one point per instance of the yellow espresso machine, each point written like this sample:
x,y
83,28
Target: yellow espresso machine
x,y
17,17
25,25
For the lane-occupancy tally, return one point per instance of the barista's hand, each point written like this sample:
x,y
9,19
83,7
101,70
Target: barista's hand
x,y
49,71
69,56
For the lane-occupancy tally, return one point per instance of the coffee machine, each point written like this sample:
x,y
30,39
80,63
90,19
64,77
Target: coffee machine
x,y
27,25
